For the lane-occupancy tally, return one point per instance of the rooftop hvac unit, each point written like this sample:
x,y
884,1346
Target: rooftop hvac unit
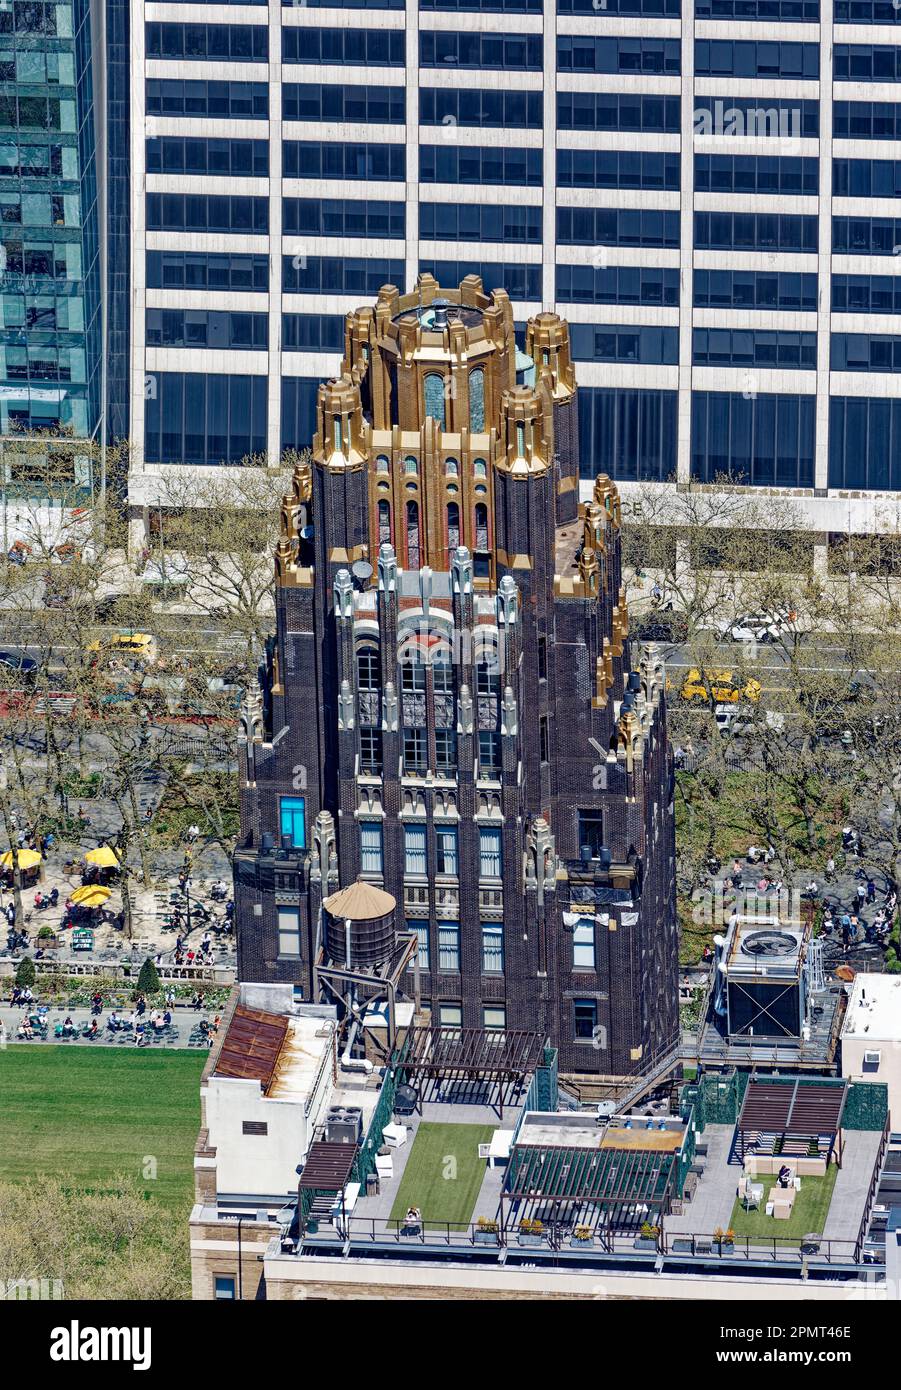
x,y
344,1124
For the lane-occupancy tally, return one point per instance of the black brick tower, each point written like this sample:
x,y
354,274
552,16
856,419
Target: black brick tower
x,y
451,708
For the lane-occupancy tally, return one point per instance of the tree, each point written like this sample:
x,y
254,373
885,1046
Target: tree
x,y
25,973
219,536
821,747
107,1244
148,978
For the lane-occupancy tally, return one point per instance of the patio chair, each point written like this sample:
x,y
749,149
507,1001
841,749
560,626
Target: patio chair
x,y
751,1195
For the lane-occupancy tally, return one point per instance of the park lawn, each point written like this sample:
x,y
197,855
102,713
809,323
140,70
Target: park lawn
x,y
443,1174
808,1213
90,1114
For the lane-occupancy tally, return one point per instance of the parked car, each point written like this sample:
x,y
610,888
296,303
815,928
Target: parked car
x,y
21,665
767,626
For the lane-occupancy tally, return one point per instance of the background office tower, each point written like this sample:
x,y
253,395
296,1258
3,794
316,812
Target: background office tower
x,y
733,297
59,362
468,727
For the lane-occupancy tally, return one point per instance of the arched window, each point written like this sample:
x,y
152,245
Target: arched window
x,y
434,397
477,400
382,465
451,467
480,468
384,523
413,550
481,526
410,464
453,526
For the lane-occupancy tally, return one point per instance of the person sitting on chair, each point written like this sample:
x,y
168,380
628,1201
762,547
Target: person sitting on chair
x,y
785,1176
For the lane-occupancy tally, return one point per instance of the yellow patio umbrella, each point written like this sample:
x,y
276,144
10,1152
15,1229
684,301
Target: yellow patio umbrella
x,y
103,855
90,895
27,859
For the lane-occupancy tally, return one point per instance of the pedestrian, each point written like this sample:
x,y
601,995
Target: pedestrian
x,y
861,894
871,891
830,869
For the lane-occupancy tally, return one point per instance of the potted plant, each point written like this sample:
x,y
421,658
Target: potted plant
x,y
647,1237
582,1236
485,1232
530,1232
725,1240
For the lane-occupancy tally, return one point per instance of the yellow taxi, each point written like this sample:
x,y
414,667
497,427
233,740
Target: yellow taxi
x,y
720,685
139,646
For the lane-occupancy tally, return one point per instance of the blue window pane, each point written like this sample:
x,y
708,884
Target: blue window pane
x,y
292,820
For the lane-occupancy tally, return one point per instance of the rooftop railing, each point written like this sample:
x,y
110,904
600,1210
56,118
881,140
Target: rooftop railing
x,y
570,1241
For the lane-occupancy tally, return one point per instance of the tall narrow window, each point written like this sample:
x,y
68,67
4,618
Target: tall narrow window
x,y
489,753
493,948
583,944
490,854
384,523
446,841
422,942
292,820
414,849
585,1017
289,932
371,750
369,676
434,397
371,846
415,751
477,400
591,831
413,552
453,526
481,526
448,945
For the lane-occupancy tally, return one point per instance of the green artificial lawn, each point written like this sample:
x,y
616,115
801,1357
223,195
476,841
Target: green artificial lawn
x,y
808,1213
91,1114
443,1174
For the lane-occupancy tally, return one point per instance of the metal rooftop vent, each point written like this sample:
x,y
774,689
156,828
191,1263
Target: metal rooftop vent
x,y
769,944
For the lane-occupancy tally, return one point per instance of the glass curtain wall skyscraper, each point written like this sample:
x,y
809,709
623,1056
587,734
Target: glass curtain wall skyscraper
x,y
55,254
708,190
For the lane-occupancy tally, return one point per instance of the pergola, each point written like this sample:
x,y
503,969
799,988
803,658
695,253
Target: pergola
x,y
596,1187
501,1058
327,1170
786,1116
